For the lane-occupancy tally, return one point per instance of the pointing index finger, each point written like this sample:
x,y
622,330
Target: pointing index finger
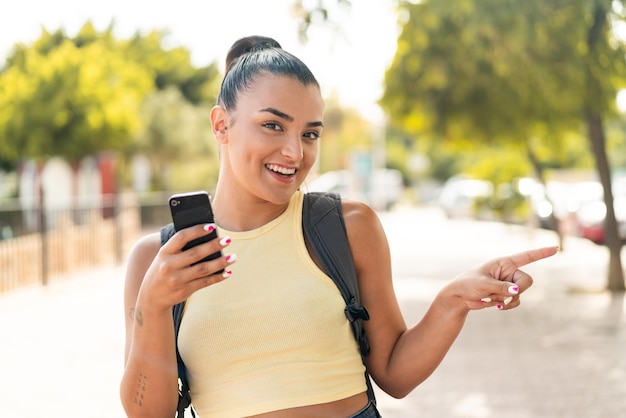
x,y
530,256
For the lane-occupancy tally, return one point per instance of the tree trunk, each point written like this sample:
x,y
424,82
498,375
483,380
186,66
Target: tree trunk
x,y
597,138
612,239
554,223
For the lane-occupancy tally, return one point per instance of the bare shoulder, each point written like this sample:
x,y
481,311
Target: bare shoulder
x,y
365,233
144,250
139,260
361,220
355,209
141,256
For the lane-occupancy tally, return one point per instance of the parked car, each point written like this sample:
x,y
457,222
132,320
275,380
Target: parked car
x,y
568,202
591,213
460,195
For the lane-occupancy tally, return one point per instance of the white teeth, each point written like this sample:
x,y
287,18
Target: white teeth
x,y
281,170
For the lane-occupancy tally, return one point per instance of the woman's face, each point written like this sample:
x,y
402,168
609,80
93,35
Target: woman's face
x,y
270,141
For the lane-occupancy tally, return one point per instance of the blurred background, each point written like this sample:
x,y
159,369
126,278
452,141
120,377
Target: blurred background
x,y
483,110
512,112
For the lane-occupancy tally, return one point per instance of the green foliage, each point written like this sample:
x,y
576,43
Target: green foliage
x,y
345,132
77,96
473,65
173,67
397,156
499,165
616,141
308,14
71,101
501,72
175,136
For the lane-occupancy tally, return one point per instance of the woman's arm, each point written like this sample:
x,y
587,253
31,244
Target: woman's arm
x,y
157,278
149,386
401,358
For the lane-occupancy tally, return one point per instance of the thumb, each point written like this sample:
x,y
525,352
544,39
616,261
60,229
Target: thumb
x,y
499,290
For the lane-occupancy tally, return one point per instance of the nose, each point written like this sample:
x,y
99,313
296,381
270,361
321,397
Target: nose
x,y
292,149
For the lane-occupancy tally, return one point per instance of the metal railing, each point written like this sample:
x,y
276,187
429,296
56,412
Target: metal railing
x,y
38,242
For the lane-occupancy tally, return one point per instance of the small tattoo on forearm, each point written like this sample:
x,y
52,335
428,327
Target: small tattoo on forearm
x,y
141,389
139,317
131,313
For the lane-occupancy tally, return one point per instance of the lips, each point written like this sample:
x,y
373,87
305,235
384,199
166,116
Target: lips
x,y
283,171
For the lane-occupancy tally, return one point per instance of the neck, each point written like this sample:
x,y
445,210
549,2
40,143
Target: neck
x,y
243,212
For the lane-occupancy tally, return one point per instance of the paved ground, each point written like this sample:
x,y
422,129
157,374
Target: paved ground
x,y
562,354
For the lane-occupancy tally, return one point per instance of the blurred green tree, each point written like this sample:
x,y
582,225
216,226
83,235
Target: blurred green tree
x,y
525,74
308,14
173,67
61,99
78,96
345,132
175,127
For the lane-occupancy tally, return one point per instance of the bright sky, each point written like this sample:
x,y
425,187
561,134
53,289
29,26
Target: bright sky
x,y
351,62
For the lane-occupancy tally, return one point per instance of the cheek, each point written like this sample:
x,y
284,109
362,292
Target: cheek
x,y
310,153
240,154
245,148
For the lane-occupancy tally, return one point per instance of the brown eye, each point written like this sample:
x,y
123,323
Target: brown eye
x,y
312,135
273,126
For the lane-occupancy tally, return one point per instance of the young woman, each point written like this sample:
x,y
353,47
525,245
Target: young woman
x,y
268,337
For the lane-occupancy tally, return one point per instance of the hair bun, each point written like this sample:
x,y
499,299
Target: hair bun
x,y
249,44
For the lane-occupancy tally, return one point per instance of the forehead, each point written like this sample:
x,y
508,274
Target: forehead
x,y
282,92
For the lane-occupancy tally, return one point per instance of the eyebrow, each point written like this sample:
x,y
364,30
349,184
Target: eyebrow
x,y
289,118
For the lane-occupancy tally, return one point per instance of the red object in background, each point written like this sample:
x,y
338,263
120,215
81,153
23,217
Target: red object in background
x,y
106,165
590,218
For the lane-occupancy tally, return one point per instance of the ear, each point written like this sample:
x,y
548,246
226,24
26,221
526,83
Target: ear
x,y
219,124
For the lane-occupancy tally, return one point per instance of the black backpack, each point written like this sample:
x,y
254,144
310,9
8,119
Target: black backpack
x,y
324,228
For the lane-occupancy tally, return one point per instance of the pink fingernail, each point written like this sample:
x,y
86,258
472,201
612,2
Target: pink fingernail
x,y
209,227
514,290
227,273
230,258
500,307
486,300
225,241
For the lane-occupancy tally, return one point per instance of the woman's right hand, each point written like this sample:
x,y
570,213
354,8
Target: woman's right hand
x,y
172,276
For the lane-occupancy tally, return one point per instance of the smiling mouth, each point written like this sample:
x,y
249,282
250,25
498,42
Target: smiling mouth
x,y
283,171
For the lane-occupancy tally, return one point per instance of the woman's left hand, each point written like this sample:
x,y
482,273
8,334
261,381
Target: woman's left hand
x,y
498,282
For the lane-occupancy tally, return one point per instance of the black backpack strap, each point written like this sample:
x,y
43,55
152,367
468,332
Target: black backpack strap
x,y
324,228
184,397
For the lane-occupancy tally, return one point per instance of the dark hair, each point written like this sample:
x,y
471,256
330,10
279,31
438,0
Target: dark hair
x,y
250,56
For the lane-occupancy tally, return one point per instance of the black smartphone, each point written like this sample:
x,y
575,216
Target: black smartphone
x,y
194,208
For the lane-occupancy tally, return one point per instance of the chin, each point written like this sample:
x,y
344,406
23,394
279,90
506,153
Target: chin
x,y
279,197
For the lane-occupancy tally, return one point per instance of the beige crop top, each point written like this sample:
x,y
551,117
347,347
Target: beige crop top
x,y
274,335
